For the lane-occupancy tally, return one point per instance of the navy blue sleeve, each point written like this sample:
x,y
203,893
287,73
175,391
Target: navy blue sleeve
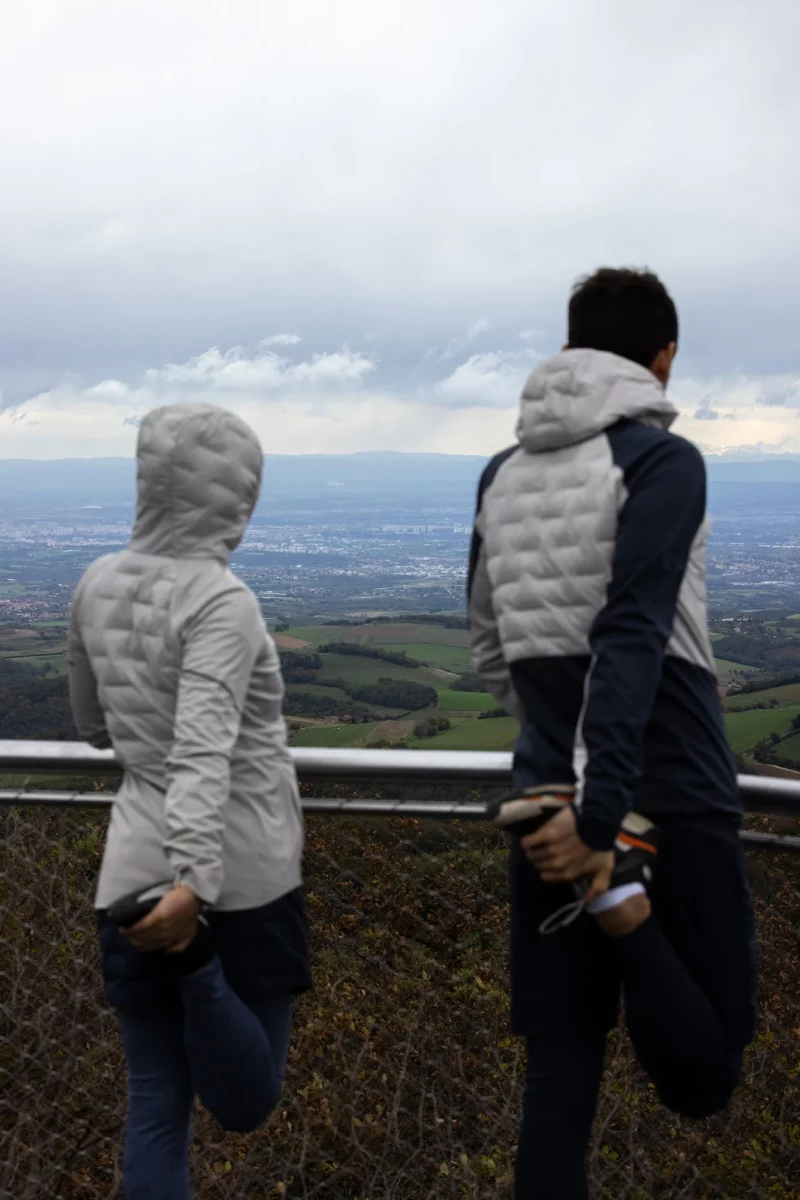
x,y
665,506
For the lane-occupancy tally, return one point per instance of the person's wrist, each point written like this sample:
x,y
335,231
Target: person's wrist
x,y
191,897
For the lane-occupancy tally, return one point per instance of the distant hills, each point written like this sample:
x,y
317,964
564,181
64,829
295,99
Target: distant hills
x,y
762,470
107,481
112,480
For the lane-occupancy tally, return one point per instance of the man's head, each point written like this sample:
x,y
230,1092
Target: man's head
x,y
626,312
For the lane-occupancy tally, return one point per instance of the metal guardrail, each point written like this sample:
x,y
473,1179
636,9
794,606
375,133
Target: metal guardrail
x,y
476,768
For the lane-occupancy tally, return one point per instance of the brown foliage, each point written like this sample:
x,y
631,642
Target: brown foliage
x,y
403,1079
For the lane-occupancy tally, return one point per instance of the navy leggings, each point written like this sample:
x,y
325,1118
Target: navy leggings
x,y
688,976
212,1045
678,1038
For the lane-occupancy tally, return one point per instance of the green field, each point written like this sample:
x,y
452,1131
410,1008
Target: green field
x,y
472,734
789,693
333,735
404,633
449,658
466,701
400,635
789,751
370,670
727,669
745,729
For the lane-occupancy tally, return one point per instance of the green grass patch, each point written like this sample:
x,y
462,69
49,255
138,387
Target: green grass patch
x,y
789,693
449,658
369,670
746,729
400,635
58,662
466,701
333,735
789,751
472,734
726,669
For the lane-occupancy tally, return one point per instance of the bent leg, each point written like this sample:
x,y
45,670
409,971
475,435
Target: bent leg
x,y
561,1084
236,1068
275,1016
677,1035
690,972
156,1164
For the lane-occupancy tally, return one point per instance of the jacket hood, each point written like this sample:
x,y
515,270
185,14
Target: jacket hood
x,y
198,476
577,394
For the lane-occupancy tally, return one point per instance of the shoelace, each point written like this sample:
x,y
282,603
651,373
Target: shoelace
x,y
568,913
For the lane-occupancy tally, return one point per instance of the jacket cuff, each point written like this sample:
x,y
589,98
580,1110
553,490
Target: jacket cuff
x,y
596,830
200,882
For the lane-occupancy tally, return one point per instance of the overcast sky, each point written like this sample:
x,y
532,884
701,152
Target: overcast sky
x,y
357,223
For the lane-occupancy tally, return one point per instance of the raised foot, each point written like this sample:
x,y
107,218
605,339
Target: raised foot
x,y
626,917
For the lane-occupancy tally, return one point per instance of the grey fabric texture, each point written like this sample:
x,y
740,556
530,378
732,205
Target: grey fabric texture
x,y
548,521
171,664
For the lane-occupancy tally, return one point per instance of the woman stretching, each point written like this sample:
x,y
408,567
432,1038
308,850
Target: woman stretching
x,y
202,926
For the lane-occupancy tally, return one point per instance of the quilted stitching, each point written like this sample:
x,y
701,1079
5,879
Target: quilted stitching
x,y
199,470
549,519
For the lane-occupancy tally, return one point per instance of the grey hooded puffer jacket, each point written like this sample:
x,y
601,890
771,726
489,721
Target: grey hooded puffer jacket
x,y
588,598
170,663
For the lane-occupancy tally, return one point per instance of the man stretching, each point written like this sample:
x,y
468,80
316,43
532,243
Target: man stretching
x,y
588,621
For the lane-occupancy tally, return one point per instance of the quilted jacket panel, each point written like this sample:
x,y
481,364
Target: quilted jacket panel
x,y
171,664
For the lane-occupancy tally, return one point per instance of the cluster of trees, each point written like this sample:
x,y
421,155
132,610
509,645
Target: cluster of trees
x,y
396,693
766,649
298,667
447,620
309,704
430,727
469,682
398,658
32,706
757,705
491,713
768,681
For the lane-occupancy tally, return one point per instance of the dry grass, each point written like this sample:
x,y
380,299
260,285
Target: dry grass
x,y
403,1080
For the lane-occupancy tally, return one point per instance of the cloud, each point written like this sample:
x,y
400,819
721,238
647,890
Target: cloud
x,y
705,412
262,373
347,400
728,415
303,185
281,339
493,379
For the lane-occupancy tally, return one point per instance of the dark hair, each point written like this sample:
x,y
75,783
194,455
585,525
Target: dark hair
x,y
624,311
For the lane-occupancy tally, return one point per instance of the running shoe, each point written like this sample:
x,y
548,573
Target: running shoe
x,y
527,811
635,854
129,910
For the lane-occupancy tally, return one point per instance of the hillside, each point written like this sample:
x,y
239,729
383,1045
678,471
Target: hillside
x,y
401,677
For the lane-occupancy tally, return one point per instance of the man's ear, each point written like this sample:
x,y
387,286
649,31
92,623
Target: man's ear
x,y
661,365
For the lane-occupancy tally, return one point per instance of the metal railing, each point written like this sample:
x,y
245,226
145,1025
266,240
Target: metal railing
x,y
403,1080
479,769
